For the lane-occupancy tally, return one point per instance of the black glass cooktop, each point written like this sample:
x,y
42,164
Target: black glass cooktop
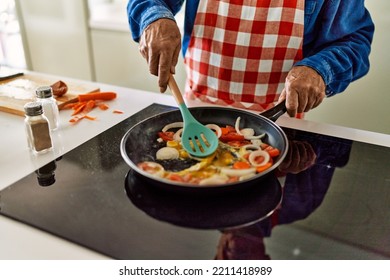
x,y
329,199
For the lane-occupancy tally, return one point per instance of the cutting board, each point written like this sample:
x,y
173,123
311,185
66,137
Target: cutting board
x,y
16,92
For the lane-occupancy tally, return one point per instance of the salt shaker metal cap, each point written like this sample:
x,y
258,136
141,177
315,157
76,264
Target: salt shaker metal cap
x,y
44,92
33,109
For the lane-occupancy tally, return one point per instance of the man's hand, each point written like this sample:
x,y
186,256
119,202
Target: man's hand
x,y
160,45
304,90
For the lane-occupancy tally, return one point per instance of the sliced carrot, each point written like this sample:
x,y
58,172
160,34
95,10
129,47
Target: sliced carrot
x,y
241,165
69,105
87,102
97,96
263,167
89,106
83,114
175,177
116,111
233,179
90,118
77,118
103,106
78,108
273,152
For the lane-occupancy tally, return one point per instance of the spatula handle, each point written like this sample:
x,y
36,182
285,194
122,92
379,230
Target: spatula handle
x,y
175,90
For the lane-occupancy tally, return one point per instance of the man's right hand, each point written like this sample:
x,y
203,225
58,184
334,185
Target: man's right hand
x,y
160,45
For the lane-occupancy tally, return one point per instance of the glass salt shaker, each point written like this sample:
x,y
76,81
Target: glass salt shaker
x,y
37,128
50,109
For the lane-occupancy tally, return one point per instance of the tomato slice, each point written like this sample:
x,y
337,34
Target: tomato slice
x,y
175,177
238,143
231,136
166,136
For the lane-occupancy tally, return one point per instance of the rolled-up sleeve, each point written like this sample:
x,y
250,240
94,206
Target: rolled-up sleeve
x,y
141,13
339,43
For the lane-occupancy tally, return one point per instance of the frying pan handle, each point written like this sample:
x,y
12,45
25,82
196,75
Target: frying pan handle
x,y
274,113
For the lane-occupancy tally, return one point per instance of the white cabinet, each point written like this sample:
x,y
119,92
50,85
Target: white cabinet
x,y
115,55
56,37
118,61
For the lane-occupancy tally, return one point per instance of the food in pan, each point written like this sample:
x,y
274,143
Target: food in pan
x,y
240,155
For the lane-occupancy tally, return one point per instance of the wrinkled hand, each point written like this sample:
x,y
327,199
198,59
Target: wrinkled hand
x,y
160,45
304,90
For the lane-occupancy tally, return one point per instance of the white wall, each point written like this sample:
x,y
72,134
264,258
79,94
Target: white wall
x,y
56,37
365,104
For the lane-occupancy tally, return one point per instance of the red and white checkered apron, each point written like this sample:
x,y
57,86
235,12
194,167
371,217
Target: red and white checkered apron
x,y
241,51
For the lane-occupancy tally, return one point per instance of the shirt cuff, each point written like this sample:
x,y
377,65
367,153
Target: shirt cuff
x,y
156,13
322,67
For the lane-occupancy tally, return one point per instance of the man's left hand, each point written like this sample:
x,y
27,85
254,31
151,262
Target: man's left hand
x,y
304,90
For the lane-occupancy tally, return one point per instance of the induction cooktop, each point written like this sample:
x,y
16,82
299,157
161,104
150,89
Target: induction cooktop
x,y
332,188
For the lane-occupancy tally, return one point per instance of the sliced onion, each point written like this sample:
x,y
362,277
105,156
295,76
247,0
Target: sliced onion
x,y
245,177
214,180
254,136
237,172
167,153
258,153
248,133
152,168
248,148
172,125
237,125
177,135
256,142
216,128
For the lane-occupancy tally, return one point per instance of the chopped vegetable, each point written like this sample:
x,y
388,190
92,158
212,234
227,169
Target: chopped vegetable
x,y
259,158
103,106
87,102
167,153
152,168
240,156
78,108
83,114
172,125
263,167
248,133
231,136
216,128
59,88
97,96
241,165
166,136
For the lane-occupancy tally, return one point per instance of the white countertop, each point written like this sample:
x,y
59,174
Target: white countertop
x,y
19,241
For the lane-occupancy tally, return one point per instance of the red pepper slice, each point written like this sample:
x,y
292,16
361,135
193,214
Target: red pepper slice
x,y
231,136
166,136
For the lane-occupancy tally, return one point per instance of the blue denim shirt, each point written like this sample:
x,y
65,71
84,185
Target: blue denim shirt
x,y
337,36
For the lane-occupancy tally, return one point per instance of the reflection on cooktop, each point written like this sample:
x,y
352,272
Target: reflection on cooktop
x,y
229,210
326,184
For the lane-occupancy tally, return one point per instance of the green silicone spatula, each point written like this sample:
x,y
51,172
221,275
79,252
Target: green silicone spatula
x,y
197,139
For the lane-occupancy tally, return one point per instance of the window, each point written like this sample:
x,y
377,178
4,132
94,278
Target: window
x,y
11,46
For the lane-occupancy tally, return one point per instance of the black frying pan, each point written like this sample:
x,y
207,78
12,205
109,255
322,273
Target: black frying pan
x,y
206,212
139,142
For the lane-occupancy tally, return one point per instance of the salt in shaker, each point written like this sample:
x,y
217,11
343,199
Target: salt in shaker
x,y
50,109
